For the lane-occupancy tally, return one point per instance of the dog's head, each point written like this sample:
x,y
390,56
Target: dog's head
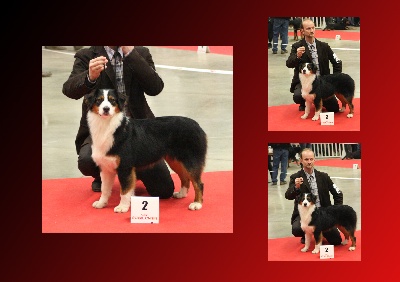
x,y
105,102
306,199
307,68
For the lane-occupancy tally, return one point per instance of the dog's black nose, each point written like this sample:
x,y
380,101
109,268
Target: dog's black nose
x,y
106,110
305,204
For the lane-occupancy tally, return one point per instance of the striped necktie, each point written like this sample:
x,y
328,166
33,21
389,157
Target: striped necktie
x,y
314,189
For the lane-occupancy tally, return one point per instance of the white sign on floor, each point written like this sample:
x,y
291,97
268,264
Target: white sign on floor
x,y
326,252
145,209
327,118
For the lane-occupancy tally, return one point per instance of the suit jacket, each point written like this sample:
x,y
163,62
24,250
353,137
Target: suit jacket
x,y
324,184
325,55
139,74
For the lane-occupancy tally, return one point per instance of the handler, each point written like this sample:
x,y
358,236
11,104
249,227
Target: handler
x,y
310,180
131,71
311,50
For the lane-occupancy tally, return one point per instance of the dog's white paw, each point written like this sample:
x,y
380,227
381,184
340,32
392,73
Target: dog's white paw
x,y
315,251
352,248
195,206
345,241
179,195
305,249
350,115
341,110
315,118
99,204
182,193
121,208
304,116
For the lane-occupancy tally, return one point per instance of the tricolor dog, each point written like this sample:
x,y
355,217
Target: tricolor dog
x,y
315,89
121,145
314,220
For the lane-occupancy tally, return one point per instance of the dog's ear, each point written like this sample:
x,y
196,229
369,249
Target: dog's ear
x,y
121,99
313,197
90,98
314,68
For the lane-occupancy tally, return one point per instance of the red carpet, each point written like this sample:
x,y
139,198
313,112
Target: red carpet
x,y
287,118
67,208
288,249
223,50
338,162
345,35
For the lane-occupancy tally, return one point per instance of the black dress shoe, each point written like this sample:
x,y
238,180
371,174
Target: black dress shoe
x,y
96,185
303,240
302,108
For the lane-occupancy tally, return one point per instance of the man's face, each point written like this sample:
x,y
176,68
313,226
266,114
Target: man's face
x,y
308,159
308,29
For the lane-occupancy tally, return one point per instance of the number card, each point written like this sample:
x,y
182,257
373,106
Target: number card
x,y
327,118
355,166
326,252
338,37
145,209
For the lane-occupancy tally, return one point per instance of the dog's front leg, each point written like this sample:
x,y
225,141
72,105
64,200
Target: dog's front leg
x,y
307,242
107,180
318,242
318,108
307,110
127,179
125,202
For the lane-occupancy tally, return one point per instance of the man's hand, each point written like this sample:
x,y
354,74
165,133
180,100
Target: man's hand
x,y
300,51
298,182
96,66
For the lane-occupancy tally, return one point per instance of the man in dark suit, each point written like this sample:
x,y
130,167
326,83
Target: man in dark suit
x,y
131,71
310,180
311,50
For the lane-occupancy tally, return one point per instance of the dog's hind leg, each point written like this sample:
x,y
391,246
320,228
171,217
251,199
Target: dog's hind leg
x,y
348,233
127,179
183,174
186,176
107,181
198,190
345,102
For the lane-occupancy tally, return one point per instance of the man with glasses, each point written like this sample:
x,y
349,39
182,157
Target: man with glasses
x,y
311,50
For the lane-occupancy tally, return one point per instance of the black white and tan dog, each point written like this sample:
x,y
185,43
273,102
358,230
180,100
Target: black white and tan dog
x,y
122,145
314,220
315,89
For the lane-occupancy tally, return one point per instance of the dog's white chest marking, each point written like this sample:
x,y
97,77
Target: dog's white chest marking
x,y
102,132
305,218
306,86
